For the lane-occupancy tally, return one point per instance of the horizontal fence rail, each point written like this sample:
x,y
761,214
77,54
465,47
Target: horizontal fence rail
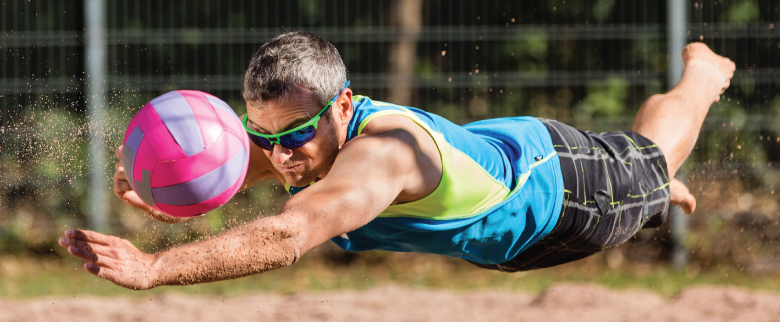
x,y
484,79
11,39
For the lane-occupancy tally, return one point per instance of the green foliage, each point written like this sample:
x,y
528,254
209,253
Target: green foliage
x,y
736,140
237,20
529,50
742,11
747,85
570,8
311,9
774,109
62,149
648,54
135,25
604,99
425,67
602,9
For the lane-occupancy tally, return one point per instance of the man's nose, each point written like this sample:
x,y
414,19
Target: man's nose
x,y
280,154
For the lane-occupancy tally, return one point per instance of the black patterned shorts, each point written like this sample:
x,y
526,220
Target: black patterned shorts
x,y
615,184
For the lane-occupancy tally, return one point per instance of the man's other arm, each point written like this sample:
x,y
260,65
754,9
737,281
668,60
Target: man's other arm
x,y
259,168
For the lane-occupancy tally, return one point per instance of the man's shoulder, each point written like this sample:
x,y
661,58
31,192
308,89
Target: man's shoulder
x,y
372,117
389,123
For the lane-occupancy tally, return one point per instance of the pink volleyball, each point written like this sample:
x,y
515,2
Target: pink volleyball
x,y
185,153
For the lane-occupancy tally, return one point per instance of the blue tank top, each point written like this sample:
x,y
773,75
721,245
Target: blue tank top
x,y
501,190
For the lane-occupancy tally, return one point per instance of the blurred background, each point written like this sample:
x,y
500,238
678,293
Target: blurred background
x,y
73,73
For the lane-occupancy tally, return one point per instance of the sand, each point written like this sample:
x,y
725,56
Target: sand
x,y
562,302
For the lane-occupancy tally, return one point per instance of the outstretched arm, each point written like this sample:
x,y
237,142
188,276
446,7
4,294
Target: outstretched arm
x,y
252,248
367,176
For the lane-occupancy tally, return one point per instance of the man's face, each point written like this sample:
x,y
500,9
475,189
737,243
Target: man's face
x,y
302,165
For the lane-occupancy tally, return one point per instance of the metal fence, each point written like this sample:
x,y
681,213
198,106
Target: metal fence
x,y
588,63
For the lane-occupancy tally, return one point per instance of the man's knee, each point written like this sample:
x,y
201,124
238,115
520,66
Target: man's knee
x,y
645,121
655,99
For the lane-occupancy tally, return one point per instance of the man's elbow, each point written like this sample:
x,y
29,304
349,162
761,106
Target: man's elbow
x,y
283,237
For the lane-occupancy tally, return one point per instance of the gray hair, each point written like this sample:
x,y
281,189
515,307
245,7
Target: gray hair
x,y
293,61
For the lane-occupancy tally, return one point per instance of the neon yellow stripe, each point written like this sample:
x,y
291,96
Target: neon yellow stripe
x,y
662,170
609,180
632,140
438,138
378,114
654,190
465,189
404,111
584,190
520,183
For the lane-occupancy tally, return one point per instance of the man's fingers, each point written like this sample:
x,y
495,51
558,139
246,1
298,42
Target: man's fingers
x,y
121,186
84,255
92,258
89,247
102,272
65,242
119,151
110,258
89,236
120,172
94,269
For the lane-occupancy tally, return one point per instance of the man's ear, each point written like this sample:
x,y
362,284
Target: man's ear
x,y
342,108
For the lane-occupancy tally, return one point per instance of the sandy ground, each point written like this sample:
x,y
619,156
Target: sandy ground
x,y
562,302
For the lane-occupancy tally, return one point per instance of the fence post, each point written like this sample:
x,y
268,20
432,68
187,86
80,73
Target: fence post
x,y
676,18
95,99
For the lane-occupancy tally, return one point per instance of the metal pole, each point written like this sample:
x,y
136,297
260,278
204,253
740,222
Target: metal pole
x,y
95,99
676,33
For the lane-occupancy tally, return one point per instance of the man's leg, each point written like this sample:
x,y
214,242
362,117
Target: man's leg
x,y
673,120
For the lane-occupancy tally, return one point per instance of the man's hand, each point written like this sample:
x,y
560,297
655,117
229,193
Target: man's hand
x,y
255,247
123,190
111,258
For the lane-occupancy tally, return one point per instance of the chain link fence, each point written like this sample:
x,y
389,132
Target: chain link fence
x,y
587,63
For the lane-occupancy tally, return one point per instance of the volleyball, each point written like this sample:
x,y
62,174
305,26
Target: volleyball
x,y
185,153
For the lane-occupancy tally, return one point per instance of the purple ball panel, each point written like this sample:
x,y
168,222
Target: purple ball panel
x,y
204,187
178,117
129,151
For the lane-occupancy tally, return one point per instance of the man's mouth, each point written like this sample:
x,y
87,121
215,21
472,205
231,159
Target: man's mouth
x,y
288,168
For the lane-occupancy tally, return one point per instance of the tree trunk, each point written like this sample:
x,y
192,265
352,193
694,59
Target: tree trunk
x,y
407,15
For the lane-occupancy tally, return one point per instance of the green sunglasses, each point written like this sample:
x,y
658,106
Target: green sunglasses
x,y
294,138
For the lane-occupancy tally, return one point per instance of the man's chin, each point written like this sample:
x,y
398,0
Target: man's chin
x,y
297,180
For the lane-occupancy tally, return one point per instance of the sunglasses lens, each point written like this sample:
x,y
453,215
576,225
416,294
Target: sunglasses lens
x,y
261,142
298,138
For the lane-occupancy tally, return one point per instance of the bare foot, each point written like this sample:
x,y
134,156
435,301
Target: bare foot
x,y
682,197
719,69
